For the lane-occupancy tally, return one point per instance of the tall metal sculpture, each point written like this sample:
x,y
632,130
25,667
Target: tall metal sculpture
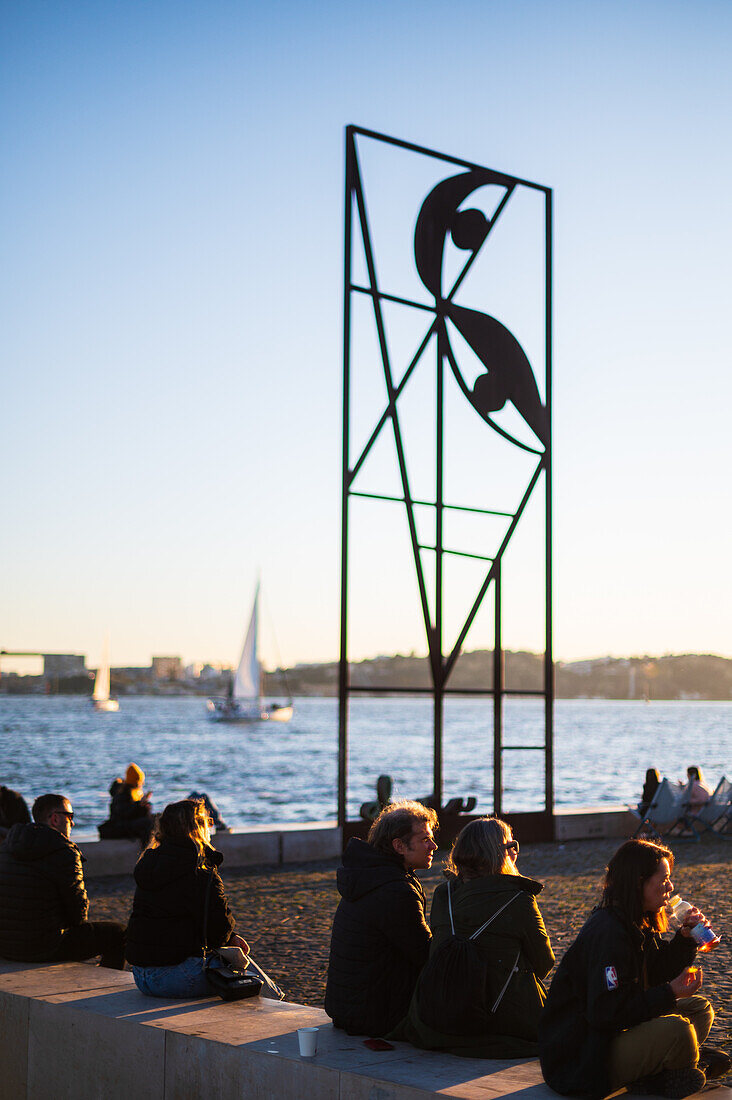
x,y
508,378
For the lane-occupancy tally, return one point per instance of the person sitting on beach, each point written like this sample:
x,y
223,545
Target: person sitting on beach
x,y
651,785
179,904
44,907
13,810
380,938
513,952
624,1008
696,791
130,813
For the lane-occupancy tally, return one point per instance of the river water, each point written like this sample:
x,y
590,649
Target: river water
x,y
272,773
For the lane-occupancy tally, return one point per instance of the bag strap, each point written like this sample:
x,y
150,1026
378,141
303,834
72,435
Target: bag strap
x,y
483,926
204,946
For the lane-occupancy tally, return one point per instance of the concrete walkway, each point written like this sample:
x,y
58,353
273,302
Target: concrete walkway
x,y
73,1031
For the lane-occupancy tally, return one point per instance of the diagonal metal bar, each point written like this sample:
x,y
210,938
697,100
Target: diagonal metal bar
x,y
500,176
391,298
361,203
390,409
432,504
450,662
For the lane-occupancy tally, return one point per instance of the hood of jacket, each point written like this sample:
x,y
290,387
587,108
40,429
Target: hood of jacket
x,y
494,884
158,867
365,869
30,842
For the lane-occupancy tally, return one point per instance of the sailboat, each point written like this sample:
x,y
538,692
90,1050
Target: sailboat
x,y
100,696
244,703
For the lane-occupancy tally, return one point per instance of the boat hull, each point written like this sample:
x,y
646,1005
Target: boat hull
x,y
222,710
109,705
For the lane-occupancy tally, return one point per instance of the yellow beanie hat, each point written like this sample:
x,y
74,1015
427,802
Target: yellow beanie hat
x,y
134,776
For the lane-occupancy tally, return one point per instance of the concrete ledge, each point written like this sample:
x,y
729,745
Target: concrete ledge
x,y
73,1031
589,822
290,843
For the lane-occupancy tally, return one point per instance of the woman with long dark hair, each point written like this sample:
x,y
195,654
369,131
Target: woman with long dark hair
x,y
179,905
624,1008
513,953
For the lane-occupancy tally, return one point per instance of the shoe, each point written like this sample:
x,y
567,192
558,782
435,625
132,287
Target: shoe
x,y
715,1063
673,1083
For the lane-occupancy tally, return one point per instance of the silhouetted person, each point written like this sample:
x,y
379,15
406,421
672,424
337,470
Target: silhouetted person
x,y
130,813
43,906
13,810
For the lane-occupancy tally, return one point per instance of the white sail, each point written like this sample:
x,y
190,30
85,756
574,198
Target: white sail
x,y
101,682
246,681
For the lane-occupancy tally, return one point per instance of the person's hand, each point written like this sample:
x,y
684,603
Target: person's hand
x,y
146,797
691,918
238,941
687,983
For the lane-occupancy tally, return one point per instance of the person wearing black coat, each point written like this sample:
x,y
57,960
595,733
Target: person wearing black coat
x,y
623,1007
130,813
179,906
380,938
43,901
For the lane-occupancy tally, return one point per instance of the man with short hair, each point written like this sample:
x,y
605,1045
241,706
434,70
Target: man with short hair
x,y
43,901
380,938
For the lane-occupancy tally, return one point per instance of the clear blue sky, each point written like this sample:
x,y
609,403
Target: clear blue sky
x,y
171,218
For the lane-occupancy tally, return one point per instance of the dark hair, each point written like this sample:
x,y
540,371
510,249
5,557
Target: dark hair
x,y
480,849
45,805
396,821
185,820
625,876
693,773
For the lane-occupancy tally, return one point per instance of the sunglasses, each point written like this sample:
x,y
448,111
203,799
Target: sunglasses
x,y
66,813
512,845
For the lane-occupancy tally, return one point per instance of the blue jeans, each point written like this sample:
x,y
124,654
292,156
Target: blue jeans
x,y
186,979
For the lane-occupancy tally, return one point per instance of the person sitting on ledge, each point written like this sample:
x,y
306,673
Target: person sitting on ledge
x,y
179,904
623,1008
380,939
497,1013
44,907
130,813
13,810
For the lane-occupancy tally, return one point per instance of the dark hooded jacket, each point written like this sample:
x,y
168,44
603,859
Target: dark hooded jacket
x,y
128,817
613,977
379,944
518,954
167,922
41,892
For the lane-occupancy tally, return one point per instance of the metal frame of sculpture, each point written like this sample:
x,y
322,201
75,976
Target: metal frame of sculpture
x,y
508,377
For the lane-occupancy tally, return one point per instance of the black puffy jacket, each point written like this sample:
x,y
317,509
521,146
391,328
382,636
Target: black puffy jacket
x,y
379,944
166,925
41,892
613,977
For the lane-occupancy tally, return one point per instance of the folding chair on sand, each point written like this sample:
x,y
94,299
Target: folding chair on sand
x,y
715,816
664,813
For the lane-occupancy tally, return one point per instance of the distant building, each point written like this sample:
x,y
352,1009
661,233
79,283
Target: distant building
x,y
60,666
167,668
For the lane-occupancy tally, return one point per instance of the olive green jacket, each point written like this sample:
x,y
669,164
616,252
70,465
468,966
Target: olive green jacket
x,y
517,937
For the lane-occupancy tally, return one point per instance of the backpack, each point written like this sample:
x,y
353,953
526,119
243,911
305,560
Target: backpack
x,y
452,990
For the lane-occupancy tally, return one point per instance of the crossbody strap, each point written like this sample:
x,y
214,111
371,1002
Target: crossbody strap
x,y
205,912
483,926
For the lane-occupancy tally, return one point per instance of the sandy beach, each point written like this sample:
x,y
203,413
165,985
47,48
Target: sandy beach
x,y
285,913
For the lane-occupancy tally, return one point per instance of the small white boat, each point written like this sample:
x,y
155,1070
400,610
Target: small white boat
x,y
244,703
100,696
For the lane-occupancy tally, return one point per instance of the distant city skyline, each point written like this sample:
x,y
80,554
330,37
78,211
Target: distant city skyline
x,y
171,328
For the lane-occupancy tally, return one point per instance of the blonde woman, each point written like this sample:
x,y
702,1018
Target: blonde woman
x,y
174,877
484,882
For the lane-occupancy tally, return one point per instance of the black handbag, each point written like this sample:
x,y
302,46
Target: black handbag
x,y
225,982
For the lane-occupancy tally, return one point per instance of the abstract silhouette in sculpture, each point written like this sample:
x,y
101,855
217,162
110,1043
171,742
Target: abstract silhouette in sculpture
x,y
508,376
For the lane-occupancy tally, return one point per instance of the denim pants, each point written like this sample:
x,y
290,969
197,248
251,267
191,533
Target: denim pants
x,y
186,979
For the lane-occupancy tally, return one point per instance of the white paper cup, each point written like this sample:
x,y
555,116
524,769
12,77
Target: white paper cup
x,y
307,1038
